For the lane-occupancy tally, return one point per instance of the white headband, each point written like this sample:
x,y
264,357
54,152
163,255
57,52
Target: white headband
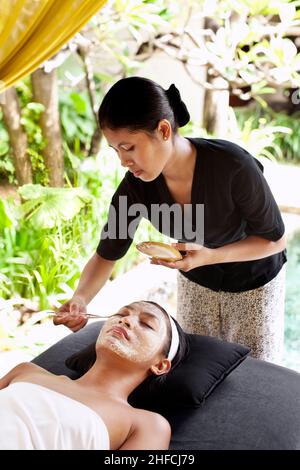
x,y
174,340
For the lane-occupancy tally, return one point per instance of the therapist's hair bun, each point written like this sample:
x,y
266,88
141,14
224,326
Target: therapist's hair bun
x,y
181,113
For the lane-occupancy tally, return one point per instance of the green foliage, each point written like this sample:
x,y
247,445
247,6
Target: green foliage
x,y
30,115
48,207
292,305
4,139
6,219
37,262
260,140
7,169
47,238
275,132
77,120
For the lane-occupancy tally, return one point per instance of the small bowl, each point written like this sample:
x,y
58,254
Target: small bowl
x,y
159,251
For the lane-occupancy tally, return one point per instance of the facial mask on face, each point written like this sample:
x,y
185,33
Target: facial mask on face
x,y
140,348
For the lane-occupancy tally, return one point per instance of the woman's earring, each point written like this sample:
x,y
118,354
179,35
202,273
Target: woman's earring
x,y
165,137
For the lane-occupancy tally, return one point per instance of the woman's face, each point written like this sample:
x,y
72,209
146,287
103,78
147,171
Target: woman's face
x,y
137,332
145,156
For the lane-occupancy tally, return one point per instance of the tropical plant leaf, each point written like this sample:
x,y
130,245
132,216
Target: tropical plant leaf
x,y
47,207
6,219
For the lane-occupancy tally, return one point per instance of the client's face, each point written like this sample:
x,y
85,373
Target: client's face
x,y
137,332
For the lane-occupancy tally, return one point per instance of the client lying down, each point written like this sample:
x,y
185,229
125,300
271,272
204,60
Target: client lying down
x,y
39,410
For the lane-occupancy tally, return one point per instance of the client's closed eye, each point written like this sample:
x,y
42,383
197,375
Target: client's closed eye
x,y
147,325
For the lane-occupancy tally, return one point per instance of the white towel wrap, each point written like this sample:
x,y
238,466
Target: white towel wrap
x,y
35,417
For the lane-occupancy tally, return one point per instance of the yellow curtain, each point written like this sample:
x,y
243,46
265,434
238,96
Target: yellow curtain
x,y
32,31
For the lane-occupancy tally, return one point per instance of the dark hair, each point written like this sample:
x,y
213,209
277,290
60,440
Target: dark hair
x,y
183,348
138,103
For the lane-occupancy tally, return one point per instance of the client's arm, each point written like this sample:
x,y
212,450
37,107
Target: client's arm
x,y
150,431
20,369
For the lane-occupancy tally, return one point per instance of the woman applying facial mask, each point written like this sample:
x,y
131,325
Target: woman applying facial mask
x,y
231,277
39,410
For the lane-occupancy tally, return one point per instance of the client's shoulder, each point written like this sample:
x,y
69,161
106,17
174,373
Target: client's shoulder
x,y
28,369
24,369
149,431
151,418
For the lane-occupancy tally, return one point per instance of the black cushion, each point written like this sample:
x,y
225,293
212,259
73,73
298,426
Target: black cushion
x,y
209,361
256,408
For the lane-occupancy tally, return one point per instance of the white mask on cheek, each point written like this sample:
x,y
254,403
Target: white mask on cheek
x,y
141,346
